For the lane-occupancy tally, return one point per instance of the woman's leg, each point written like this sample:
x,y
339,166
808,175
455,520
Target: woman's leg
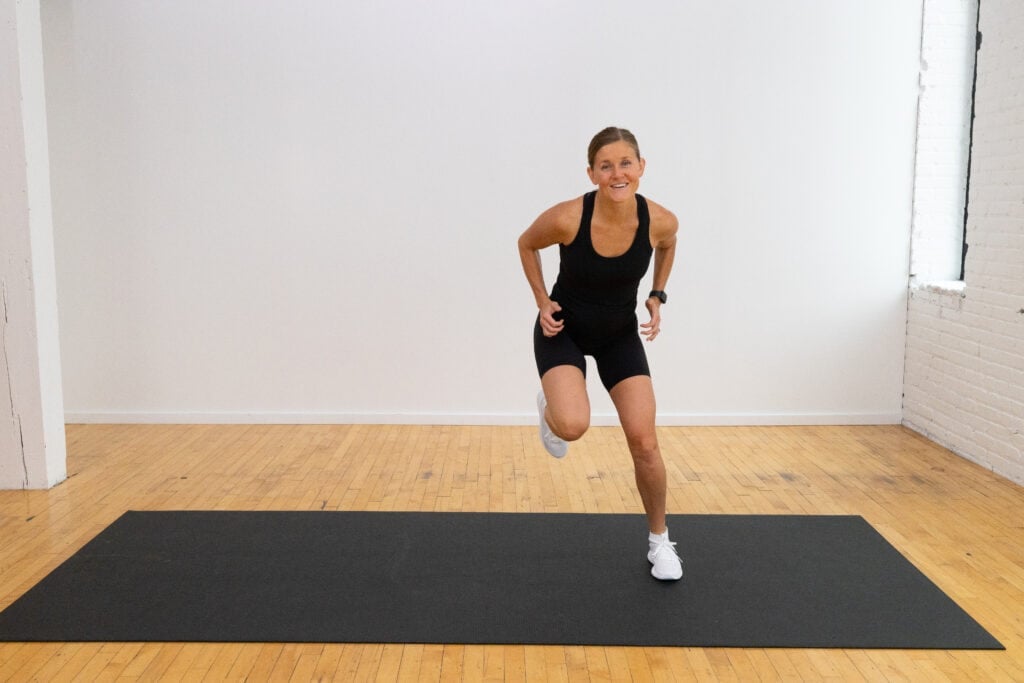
x,y
634,401
562,368
568,409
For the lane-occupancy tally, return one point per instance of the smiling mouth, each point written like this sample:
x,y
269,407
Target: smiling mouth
x,y
620,186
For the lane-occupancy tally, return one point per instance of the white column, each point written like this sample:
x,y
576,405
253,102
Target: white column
x,y
32,445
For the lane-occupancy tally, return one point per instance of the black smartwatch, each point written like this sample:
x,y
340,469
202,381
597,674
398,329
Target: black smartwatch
x,y
661,296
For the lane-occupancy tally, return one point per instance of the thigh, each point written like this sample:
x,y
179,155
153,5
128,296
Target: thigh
x,y
622,358
565,389
552,352
563,375
634,401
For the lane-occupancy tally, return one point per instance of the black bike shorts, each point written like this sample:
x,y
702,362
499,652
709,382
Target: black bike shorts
x,y
615,346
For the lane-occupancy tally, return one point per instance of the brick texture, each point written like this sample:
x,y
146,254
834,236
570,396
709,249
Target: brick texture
x,y
964,381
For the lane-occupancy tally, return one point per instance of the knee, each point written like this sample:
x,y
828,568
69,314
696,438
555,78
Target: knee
x,y
644,448
571,428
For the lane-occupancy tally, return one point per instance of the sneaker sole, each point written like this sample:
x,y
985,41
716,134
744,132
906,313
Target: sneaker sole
x,y
666,578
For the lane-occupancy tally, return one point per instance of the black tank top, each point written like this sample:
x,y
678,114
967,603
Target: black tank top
x,y
587,278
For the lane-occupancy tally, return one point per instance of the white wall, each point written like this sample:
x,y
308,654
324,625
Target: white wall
x,y
32,446
297,212
965,349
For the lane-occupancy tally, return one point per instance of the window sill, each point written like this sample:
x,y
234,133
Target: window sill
x,y
954,287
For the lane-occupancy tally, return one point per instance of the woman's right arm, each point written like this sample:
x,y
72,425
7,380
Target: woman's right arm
x,y
554,226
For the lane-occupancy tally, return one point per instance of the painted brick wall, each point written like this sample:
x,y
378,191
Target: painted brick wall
x,y
964,378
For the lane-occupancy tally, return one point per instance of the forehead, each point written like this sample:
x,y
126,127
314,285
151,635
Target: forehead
x,y
615,150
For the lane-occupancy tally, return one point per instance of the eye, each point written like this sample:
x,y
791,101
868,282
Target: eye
x,y
627,162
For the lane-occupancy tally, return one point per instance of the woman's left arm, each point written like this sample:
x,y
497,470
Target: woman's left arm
x,y
664,226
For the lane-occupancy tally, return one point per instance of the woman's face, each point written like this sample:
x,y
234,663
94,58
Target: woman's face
x,y
617,170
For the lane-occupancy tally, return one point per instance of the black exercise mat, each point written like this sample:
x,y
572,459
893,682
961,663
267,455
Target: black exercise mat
x,y
750,581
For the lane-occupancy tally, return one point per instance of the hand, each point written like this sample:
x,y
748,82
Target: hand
x,y
548,325
651,328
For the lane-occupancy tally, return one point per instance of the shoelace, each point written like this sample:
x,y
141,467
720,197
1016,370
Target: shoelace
x,y
671,545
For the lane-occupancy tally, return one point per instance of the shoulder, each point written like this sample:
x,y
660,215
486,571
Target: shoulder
x,y
664,224
565,214
560,223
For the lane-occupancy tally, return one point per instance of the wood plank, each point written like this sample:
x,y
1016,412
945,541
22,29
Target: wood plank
x,y
957,522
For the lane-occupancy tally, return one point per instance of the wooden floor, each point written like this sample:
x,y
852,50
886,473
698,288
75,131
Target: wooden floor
x,y
961,525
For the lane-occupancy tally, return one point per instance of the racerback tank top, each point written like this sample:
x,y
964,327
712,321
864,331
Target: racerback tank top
x,y
588,278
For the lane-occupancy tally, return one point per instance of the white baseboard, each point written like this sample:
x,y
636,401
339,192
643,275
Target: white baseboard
x,y
598,419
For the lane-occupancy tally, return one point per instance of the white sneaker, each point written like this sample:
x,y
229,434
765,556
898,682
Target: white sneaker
x,y
552,444
667,565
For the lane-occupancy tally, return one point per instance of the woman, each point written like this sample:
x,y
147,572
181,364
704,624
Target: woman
x,y
606,239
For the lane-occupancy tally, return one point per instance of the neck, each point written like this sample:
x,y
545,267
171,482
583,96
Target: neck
x,y
615,211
